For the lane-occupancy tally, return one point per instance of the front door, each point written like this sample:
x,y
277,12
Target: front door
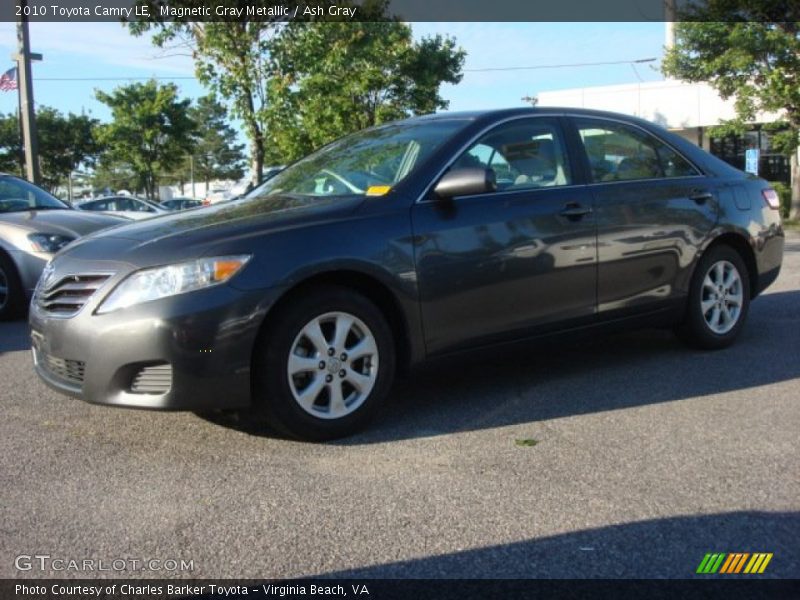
x,y
513,262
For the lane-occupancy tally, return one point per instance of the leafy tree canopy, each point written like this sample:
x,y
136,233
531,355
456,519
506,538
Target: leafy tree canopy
x,y
151,131
65,143
216,154
333,78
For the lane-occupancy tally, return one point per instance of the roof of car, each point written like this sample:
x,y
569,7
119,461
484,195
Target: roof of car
x,y
476,115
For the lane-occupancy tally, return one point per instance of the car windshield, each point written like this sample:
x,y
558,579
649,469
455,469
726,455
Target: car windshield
x,y
18,195
369,162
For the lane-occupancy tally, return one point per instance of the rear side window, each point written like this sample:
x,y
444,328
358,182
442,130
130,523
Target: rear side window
x,y
618,152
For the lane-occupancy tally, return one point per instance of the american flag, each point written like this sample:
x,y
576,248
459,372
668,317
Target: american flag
x,y
8,81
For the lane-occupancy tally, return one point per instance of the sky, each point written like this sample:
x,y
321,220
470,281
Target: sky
x,y
91,55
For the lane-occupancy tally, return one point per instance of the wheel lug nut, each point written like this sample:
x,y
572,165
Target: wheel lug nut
x,y
344,356
342,373
322,364
328,378
331,351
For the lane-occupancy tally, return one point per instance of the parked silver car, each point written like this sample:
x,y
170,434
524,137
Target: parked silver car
x,y
125,206
34,226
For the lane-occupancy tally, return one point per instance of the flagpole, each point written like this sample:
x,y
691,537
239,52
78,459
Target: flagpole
x,y
25,76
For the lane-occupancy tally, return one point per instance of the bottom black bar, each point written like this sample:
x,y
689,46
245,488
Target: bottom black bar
x,y
405,589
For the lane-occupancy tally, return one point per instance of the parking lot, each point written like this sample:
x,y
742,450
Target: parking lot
x,y
627,456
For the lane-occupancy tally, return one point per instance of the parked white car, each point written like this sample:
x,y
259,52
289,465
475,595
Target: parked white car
x,y
126,206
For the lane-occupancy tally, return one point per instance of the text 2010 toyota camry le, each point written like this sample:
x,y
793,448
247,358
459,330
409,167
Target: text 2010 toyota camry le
x,y
406,241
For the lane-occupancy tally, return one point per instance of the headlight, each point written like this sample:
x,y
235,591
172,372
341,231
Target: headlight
x,y
48,242
170,280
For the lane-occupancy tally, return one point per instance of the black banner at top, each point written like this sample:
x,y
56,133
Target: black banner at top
x,y
405,10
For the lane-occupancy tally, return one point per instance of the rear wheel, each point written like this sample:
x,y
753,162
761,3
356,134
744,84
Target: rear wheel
x,y
719,299
12,296
324,366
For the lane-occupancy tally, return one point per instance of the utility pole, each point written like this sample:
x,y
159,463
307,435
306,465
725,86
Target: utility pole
x,y
25,78
191,173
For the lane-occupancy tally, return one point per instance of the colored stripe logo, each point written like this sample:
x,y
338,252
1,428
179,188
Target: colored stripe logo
x,y
732,563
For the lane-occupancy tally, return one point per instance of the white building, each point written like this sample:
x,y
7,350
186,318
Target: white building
x,y
688,109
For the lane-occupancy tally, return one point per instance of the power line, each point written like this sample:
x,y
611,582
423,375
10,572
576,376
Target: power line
x,y
588,64
478,70
110,78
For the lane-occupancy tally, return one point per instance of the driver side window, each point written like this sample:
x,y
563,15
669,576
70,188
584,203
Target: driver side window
x,y
524,154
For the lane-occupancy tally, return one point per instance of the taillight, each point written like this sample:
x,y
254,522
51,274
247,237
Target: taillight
x,y
206,202
772,198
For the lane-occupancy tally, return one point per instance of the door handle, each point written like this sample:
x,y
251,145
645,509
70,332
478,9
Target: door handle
x,y
575,211
700,196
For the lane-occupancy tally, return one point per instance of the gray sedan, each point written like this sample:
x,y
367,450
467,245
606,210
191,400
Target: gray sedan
x,y
33,227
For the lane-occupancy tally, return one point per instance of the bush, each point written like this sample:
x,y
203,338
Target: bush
x,y
785,194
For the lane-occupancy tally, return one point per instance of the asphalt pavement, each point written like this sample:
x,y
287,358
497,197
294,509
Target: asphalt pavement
x,y
624,456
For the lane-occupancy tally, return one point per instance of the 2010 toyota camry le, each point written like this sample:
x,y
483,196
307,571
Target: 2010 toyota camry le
x,y
297,304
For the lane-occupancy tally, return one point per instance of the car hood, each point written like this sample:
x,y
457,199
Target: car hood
x,y
68,222
196,232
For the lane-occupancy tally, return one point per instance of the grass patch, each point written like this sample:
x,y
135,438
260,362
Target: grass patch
x,y
526,442
792,224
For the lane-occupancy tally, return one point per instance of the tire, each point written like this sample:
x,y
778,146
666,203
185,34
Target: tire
x,y
12,296
301,390
715,315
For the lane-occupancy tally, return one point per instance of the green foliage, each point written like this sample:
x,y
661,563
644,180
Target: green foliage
x,y
351,77
10,144
753,60
216,155
151,131
230,59
330,79
785,194
65,143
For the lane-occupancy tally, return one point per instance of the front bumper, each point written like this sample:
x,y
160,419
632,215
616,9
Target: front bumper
x,y
187,352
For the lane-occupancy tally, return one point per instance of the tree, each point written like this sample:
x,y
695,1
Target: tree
x,y
151,131
230,59
65,143
11,158
748,50
333,78
216,155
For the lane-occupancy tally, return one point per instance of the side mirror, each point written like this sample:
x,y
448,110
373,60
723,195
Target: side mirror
x,y
466,182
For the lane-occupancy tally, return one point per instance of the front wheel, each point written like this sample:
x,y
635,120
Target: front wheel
x,y
719,299
323,366
12,294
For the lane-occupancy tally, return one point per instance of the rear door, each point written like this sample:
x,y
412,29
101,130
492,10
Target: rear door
x,y
654,209
513,262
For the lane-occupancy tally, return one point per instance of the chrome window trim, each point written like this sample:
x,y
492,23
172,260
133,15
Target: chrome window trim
x,y
700,173
456,155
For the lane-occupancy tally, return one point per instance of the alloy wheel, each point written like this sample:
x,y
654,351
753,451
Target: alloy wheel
x,y
332,365
721,297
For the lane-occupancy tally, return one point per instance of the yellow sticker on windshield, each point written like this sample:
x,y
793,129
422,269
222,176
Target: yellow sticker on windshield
x,y
378,190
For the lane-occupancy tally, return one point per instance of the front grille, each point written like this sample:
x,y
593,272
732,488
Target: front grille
x,y
70,371
69,294
155,379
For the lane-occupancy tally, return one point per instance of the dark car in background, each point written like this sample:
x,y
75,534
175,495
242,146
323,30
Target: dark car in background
x,y
411,240
34,225
181,203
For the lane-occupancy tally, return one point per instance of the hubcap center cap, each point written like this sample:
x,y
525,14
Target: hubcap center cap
x,y
334,364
